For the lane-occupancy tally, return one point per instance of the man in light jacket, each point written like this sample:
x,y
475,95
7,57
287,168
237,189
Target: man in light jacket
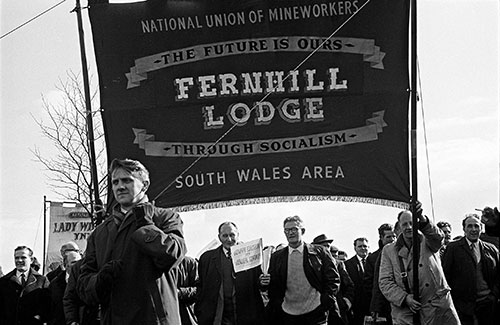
x,y
396,275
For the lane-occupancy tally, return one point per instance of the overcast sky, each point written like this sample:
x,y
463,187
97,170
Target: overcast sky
x,y
458,57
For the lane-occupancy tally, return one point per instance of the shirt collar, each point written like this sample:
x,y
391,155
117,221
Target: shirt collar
x,y
470,243
360,259
18,274
300,249
119,209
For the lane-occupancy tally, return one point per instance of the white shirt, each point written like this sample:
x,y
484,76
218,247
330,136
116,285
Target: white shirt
x,y
18,274
360,260
300,249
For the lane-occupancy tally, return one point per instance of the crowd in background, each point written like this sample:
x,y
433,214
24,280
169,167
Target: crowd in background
x,y
135,271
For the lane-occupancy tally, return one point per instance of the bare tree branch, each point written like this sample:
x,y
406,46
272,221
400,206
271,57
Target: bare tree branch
x,y
68,171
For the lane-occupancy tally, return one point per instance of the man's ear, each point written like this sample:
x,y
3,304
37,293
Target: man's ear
x,y
145,186
303,230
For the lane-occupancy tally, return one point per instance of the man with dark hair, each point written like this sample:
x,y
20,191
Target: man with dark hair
x,y
386,236
24,297
129,255
446,229
226,297
304,280
381,308
471,268
355,266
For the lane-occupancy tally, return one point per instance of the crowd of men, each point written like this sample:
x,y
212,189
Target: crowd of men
x,y
135,271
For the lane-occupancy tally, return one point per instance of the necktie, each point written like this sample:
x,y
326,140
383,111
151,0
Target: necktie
x,y
228,254
363,264
23,280
473,250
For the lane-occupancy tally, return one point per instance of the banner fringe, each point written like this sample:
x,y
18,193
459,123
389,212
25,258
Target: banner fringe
x,y
282,199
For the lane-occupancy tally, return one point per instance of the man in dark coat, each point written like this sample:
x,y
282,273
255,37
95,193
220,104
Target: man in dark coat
x,y
303,280
355,266
345,295
381,307
76,311
471,269
70,246
129,256
57,288
24,297
187,279
226,297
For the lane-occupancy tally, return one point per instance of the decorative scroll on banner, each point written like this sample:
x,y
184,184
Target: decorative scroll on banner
x,y
68,222
234,102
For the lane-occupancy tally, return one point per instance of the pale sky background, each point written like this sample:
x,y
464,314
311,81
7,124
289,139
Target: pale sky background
x,y
459,62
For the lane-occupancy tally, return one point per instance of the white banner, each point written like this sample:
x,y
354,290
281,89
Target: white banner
x,y
247,255
266,258
68,222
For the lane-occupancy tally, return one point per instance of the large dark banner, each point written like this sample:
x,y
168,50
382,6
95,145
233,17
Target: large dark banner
x,y
230,101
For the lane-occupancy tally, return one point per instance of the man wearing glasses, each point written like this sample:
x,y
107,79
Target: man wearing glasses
x,y
303,280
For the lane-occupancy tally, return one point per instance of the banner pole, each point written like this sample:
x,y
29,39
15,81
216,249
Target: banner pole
x,y
88,110
414,181
44,235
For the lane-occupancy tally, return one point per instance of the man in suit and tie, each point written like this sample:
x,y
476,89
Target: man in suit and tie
x,y
226,297
24,297
356,268
303,280
471,269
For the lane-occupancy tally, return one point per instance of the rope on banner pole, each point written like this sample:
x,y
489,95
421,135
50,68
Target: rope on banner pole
x,y
426,146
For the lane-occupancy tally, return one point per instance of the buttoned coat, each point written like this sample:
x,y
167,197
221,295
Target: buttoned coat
x,y
247,298
145,292
361,302
75,310
24,306
460,269
346,291
57,288
371,260
437,305
378,303
320,271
